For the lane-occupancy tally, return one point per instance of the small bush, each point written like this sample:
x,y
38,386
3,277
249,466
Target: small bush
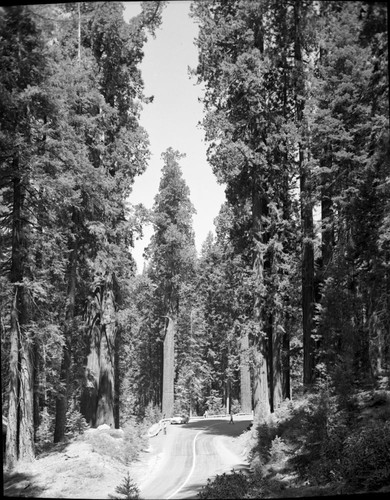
x,y
120,445
75,423
152,414
267,431
44,435
234,485
277,450
134,440
127,489
104,444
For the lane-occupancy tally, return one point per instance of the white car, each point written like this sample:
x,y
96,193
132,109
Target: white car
x,y
179,420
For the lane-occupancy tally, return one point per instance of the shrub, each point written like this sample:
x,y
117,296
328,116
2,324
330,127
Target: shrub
x,y
277,450
104,444
152,414
366,457
234,485
75,423
267,431
134,439
120,445
44,435
128,489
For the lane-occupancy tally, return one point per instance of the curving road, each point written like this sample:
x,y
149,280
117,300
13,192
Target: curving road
x,y
181,461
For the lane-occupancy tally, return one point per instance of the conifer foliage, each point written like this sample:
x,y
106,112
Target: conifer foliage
x,y
71,145
297,123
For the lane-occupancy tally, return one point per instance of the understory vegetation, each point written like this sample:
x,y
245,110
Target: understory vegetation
x,y
319,444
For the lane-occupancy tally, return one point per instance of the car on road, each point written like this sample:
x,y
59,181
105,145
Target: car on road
x,y
179,419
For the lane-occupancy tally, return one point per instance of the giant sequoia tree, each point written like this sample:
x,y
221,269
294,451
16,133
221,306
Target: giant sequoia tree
x,y
172,257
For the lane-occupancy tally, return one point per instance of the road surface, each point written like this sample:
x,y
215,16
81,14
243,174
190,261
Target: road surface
x,y
181,461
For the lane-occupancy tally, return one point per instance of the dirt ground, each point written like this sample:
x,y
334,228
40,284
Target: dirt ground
x,y
74,470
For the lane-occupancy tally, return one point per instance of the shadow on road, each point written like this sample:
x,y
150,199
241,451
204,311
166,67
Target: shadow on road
x,y
220,426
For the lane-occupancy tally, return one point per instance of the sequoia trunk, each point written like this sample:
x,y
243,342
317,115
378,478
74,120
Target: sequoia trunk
x,y
20,432
245,377
169,369
260,361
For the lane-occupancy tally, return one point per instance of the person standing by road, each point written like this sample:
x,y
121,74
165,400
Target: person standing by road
x,y
231,418
165,427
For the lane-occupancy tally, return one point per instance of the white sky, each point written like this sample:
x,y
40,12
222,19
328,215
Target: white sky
x,y
172,119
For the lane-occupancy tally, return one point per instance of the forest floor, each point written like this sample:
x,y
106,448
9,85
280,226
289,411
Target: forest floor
x,y
72,470
77,470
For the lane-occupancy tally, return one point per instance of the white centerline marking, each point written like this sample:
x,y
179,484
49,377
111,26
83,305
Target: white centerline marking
x,y
192,468
193,462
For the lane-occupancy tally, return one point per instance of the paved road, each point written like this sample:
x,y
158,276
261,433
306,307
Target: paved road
x,y
183,460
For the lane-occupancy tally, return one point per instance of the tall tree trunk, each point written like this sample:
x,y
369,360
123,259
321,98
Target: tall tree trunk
x,y
169,369
20,432
260,365
117,381
245,376
228,398
306,209
89,396
62,399
12,448
97,401
105,403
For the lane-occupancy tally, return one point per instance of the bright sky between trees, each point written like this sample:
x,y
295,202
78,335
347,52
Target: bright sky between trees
x,y
171,120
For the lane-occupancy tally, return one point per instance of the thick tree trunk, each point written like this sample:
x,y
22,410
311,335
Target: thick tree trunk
x,y
12,447
117,381
26,393
90,390
169,369
97,402
105,406
89,395
20,432
260,362
245,376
